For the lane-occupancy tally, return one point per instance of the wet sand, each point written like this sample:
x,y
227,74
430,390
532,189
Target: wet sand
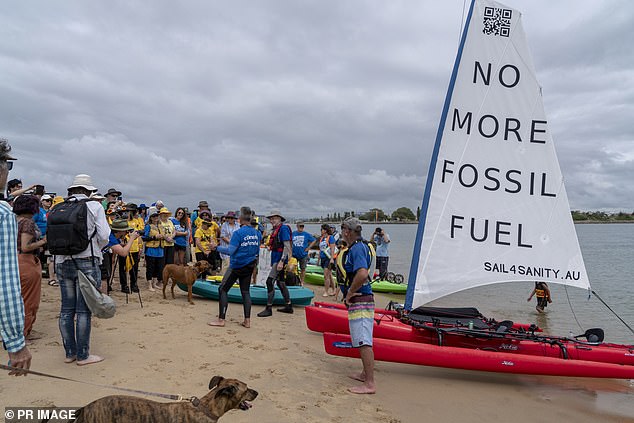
x,y
167,347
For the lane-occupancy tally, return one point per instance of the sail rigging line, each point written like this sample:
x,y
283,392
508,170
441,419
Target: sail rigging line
x,y
464,3
613,312
572,309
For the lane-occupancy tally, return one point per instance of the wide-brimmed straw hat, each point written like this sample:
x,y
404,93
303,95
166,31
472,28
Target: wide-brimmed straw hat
x,y
83,181
121,225
164,210
276,213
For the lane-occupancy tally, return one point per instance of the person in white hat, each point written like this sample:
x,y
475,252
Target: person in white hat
x,y
74,317
281,253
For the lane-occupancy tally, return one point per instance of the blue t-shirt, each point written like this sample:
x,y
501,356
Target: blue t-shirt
x,y
243,248
112,240
381,245
180,240
324,246
40,220
284,234
358,257
301,240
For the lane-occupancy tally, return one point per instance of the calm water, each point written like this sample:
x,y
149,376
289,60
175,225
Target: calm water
x,y
608,251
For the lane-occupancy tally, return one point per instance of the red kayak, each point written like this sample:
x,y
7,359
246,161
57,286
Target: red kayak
x,y
474,359
331,319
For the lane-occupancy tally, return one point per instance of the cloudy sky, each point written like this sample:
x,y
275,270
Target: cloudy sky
x,y
307,106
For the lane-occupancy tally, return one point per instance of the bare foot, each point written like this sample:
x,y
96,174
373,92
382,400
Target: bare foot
x,y
152,289
69,359
217,322
92,359
357,376
362,389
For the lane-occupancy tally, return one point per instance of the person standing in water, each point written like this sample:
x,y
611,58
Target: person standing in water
x,y
542,292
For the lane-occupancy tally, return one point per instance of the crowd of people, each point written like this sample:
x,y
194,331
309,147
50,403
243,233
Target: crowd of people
x,y
86,233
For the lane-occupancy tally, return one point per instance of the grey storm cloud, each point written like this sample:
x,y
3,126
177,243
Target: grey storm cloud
x,y
307,106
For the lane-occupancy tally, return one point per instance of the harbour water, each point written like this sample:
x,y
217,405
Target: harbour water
x,y
608,251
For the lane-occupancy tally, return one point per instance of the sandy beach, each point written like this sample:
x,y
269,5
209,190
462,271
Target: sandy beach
x,y
167,347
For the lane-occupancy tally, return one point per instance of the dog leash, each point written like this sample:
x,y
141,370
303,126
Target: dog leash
x,y
194,400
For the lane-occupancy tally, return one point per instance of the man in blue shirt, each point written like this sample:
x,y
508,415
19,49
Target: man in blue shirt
x,y
302,242
382,241
243,250
11,304
358,298
281,253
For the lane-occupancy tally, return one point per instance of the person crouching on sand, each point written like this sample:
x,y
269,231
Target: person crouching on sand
x,y
243,250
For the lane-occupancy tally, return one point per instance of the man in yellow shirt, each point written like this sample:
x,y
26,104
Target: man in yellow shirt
x,y
205,239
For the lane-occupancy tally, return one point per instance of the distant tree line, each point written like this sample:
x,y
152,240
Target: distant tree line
x,y
402,214
598,216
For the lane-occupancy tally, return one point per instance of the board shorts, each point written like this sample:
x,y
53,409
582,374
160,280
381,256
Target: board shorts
x,y
542,302
361,320
302,262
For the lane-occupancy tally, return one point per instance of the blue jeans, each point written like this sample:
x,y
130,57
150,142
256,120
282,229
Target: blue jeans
x,y
74,317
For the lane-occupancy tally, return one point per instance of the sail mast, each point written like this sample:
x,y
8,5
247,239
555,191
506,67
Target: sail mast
x,y
411,282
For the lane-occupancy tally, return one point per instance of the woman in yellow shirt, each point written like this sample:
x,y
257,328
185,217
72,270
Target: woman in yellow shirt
x,y
168,229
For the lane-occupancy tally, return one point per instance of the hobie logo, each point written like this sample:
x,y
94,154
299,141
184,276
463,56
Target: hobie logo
x,y
508,363
497,21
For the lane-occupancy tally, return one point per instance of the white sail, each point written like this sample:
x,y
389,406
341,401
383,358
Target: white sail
x,y
495,208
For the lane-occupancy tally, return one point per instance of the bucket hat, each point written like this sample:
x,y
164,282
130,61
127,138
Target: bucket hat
x,y
276,213
121,225
83,181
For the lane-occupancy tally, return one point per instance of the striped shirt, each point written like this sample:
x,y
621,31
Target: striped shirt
x,y
11,304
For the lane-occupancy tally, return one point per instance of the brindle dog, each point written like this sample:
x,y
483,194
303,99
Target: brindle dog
x,y
183,274
225,395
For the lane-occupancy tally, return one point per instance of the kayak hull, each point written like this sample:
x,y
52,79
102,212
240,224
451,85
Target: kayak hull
x,y
299,295
332,318
472,359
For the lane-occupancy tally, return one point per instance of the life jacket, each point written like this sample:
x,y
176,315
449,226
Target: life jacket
x,y
326,250
347,278
540,292
275,244
149,241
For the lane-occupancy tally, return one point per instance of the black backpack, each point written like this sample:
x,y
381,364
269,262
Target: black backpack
x,y
67,228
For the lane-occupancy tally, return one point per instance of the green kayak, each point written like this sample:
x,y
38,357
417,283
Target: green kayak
x,y
377,286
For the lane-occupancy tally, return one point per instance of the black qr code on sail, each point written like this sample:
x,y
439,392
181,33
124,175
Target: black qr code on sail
x,y
497,21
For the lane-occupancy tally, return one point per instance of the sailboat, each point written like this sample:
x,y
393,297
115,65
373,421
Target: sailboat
x,y
495,209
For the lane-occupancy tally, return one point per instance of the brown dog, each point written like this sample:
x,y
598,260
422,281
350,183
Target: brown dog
x,y
183,274
225,395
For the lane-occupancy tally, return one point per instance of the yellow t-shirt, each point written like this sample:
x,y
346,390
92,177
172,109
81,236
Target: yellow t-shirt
x,y
205,237
138,224
168,229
